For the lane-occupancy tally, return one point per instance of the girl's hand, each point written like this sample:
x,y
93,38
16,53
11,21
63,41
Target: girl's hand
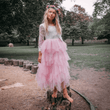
x,y
40,56
39,59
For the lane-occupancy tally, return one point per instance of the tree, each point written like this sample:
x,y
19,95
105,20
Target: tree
x,y
6,17
74,33
24,16
102,8
96,27
76,22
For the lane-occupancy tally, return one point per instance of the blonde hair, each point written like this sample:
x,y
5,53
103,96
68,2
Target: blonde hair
x,y
55,21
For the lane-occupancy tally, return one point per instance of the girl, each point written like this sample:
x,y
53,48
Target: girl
x,y
53,58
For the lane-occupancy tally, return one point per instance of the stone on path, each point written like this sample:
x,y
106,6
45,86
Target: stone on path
x,y
15,62
28,66
2,60
21,63
8,62
34,69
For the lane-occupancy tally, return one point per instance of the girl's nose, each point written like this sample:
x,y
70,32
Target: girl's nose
x,y
51,15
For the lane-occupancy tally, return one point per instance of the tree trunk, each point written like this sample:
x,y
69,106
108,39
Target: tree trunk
x,y
82,40
36,45
72,42
27,42
61,103
108,40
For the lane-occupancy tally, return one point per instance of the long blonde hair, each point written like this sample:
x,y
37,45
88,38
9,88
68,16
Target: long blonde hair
x,y
55,21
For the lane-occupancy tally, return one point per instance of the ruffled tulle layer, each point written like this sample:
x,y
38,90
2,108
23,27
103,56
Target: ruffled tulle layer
x,y
53,69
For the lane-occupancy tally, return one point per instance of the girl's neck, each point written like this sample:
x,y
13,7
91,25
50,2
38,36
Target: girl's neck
x,y
51,23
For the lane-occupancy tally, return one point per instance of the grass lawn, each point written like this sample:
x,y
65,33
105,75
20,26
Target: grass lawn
x,y
20,52
95,56
86,56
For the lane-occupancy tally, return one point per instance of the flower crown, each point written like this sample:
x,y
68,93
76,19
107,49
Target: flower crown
x,y
54,7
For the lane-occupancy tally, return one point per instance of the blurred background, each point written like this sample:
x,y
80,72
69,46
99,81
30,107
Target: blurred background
x,y
81,21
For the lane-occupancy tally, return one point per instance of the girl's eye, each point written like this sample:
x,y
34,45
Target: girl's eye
x,y
51,12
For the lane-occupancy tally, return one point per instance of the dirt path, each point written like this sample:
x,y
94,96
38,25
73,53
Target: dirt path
x,y
94,85
19,90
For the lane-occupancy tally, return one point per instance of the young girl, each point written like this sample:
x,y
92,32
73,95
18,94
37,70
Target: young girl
x,y
53,58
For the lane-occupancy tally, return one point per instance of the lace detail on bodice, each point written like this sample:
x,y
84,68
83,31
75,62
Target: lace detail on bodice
x,y
51,34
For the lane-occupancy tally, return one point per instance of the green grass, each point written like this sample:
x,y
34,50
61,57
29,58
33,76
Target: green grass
x,y
86,56
20,52
91,56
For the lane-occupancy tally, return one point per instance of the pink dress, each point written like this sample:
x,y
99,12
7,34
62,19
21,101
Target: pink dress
x,y
53,69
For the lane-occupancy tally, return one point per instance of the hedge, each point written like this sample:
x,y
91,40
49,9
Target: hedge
x,y
3,43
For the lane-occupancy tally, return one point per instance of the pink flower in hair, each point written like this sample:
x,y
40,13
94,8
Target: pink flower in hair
x,y
47,6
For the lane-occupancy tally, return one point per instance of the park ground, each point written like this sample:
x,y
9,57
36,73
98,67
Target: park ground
x,y
19,90
89,70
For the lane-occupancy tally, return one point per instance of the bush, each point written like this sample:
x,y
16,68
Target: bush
x,y
3,43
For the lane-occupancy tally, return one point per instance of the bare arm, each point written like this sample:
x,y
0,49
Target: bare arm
x,y
40,56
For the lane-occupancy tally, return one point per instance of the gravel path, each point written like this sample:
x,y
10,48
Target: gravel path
x,y
19,90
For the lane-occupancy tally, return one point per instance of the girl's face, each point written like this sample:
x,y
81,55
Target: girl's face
x,y
51,14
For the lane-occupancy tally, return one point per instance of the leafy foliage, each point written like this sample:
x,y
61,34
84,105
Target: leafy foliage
x,y
102,8
26,15
76,23
23,16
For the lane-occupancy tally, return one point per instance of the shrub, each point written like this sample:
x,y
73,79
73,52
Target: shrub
x,y
3,43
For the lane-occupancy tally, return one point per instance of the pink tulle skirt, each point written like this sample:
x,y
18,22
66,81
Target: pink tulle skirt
x,y
54,67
